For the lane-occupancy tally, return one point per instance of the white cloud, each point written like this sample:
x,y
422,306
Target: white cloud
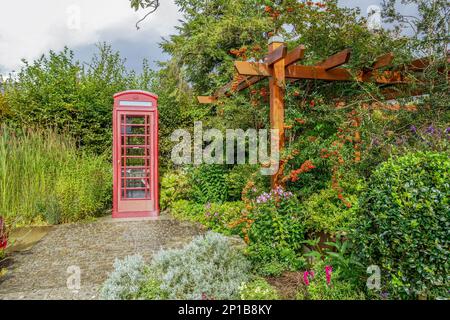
x,y
29,28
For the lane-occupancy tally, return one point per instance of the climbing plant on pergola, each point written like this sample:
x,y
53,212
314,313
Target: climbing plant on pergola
x,y
281,66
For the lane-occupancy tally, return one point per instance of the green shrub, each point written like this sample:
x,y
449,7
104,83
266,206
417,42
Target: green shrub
x,y
403,224
126,280
188,210
208,266
174,187
60,92
61,183
273,260
276,233
215,216
237,178
151,289
324,212
258,289
208,183
219,216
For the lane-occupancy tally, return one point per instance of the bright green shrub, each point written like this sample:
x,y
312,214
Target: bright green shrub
x,y
403,224
258,289
325,212
174,187
215,216
126,280
208,266
276,233
188,210
208,183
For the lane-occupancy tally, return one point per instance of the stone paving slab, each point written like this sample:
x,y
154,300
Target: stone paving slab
x,y
41,272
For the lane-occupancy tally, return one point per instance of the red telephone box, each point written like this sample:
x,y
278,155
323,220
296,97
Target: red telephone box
x,y
135,155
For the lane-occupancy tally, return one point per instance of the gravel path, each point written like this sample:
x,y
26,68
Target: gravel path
x,y
42,271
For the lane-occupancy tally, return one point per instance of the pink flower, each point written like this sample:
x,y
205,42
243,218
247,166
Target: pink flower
x,y
328,270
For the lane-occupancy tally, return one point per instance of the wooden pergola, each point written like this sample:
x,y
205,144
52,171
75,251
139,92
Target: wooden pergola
x,y
280,66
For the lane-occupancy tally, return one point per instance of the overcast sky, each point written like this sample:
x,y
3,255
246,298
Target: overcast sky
x,y
29,28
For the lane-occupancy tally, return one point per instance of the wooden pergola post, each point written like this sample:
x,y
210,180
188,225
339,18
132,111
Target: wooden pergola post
x,y
277,85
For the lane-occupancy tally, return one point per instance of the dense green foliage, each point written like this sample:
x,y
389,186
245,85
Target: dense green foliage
x,y
59,92
404,224
338,132
276,233
208,183
324,213
43,178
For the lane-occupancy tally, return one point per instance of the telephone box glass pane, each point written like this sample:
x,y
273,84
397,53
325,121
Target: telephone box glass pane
x,y
135,151
136,173
135,120
135,129
133,140
135,157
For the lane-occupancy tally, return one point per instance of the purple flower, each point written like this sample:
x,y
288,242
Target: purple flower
x,y
413,129
430,129
447,131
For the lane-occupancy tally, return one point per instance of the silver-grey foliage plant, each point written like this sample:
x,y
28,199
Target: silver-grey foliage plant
x,y
126,279
208,267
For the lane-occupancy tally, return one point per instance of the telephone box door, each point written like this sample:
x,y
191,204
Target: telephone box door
x,y
135,155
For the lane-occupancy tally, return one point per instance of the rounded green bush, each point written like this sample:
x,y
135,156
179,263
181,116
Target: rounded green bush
x,y
324,212
404,225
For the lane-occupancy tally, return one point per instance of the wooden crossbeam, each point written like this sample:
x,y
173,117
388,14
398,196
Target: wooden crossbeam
x,y
206,99
336,60
383,61
318,73
249,81
290,58
276,55
253,68
294,55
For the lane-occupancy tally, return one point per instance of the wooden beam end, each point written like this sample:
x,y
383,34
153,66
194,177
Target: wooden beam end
x,y
206,99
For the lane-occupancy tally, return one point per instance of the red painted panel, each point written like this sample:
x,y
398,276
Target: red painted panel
x,y
135,155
